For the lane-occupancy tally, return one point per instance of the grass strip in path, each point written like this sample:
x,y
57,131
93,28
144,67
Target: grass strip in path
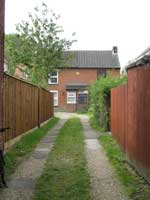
x,y
25,146
65,176
135,186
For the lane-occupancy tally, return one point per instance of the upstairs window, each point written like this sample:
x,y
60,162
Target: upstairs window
x,y
71,97
53,78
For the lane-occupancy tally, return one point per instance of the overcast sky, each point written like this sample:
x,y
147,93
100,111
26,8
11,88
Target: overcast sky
x,y
99,24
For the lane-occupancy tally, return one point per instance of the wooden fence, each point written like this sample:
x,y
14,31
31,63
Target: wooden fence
x,y
130,118
119,114
25,106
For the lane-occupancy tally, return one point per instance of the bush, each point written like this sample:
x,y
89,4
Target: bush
x,y
100,99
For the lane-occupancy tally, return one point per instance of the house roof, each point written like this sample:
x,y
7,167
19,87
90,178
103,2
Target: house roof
x,y
143,58
93,59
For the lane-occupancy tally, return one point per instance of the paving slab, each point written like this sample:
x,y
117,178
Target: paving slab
x,y
104,183
22,182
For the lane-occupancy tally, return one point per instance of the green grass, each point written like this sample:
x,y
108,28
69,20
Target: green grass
x,y
135,186
65,176
83,111
25,146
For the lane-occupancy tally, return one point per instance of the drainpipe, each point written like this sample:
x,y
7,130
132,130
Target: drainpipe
x,y
76,101
2,17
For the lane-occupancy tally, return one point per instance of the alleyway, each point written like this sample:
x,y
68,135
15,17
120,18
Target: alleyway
x,y
22,183
104,184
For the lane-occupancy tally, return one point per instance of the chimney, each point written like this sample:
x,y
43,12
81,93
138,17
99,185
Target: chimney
x,y
115,50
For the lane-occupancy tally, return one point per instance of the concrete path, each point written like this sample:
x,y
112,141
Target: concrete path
x,y
104,183
22,183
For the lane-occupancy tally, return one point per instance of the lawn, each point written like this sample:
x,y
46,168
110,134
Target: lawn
x,y
25,146
65,176
135,186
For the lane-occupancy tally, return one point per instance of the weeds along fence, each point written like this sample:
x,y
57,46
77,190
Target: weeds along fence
x,y
130,118
25,106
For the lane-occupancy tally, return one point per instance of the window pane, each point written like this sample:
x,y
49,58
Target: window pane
x,y
71,97
55,102
71,94
53,80
53,74
83,98
55,94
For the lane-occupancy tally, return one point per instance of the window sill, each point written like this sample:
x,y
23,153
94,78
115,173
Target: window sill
x,y
52,83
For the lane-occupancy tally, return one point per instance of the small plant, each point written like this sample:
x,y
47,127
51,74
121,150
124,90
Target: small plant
x,y
100,99
83,111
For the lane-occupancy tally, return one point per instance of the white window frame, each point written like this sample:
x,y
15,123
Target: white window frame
x,y
55,98
83,92
25,75
71,94
49,80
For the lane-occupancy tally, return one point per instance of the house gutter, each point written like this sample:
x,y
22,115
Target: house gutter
x,y
143,58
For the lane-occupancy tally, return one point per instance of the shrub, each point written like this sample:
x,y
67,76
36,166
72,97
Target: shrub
x,y
100,99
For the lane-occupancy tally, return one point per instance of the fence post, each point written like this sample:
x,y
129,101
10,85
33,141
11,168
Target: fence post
x,y
2,17
39,103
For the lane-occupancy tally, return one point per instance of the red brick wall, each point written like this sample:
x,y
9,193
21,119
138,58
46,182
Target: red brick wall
x,y
19,73
75,76
71,76
114,72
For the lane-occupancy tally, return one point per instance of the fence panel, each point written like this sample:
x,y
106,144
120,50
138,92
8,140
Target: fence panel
x,y
45,105
119,114
25,106
130,118
139,112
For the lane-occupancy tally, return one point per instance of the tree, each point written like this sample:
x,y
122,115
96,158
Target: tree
x,y
38,45
12,52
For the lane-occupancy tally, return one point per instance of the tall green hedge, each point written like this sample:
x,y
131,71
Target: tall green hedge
x,y
100,99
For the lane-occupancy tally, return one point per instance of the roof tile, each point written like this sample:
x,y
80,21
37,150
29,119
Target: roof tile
x,y
94,59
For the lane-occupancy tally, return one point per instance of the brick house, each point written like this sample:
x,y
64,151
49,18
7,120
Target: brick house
x,y
20,72
70,84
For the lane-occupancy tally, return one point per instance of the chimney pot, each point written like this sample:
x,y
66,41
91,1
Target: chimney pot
x,y
115,49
